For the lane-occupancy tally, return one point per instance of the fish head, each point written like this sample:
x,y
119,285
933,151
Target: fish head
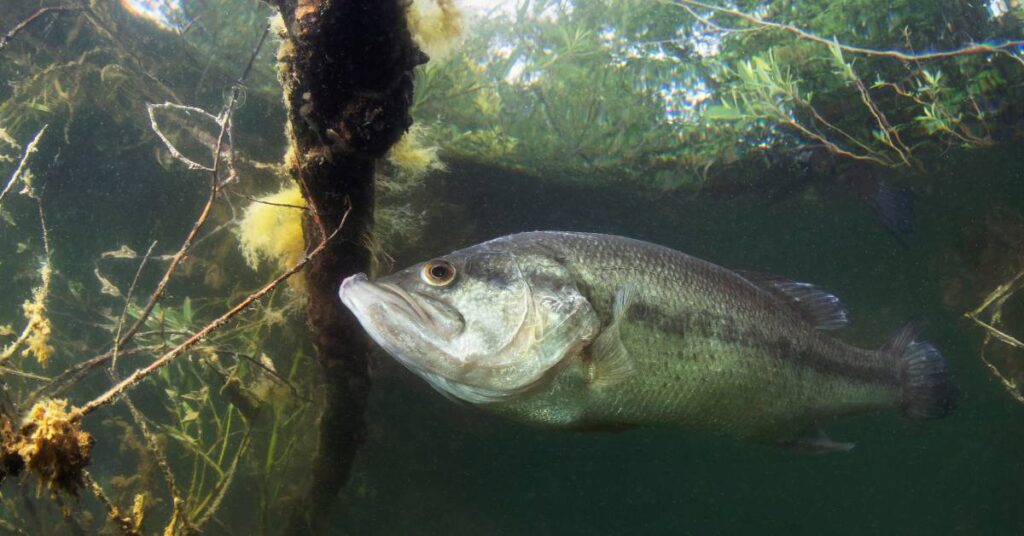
x,y
480,324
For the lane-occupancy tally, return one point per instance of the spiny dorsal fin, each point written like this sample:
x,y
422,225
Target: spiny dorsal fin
x,y
612,362
821,309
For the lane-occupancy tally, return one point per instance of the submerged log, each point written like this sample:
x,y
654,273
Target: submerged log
x,y
347,71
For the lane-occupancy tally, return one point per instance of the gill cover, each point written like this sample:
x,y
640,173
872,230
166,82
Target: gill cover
x,y
523,316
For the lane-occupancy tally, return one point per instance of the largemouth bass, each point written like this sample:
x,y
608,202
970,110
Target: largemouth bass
x,y
590,331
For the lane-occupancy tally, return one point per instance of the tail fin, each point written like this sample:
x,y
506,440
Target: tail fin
x,y
928,391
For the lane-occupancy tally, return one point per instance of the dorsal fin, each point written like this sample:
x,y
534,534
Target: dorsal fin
x,y
821,309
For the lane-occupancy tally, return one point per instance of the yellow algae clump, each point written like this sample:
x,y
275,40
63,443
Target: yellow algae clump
x,y
412,157
271,229
138,512
52,444
401,185
436,26
37,331
38,342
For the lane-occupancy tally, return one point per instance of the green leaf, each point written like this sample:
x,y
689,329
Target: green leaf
x,y
190,415
39,107
721,112
186,310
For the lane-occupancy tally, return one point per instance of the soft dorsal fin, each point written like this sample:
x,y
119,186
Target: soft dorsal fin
x,y
821,309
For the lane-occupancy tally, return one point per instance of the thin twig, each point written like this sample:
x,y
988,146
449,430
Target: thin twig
x,y
216,324
267,370
974,48
1000,291
161,459
224,120
127,304
125,523
262,202
832,146
224,484
884,126
76,372
140,420
7,37
23,374
31,148
171,268
255,52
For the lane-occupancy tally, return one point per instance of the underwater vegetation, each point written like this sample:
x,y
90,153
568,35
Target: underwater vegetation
x,y
660,92
164,174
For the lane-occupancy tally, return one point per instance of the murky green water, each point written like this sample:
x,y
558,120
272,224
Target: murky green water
x,y
580,116
454,470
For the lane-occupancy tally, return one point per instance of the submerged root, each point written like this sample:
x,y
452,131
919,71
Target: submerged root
x,y
49,442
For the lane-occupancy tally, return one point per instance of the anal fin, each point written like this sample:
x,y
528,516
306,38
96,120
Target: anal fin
x,y
816,441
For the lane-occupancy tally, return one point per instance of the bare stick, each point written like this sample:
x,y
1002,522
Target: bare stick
x,y
141,373
140,420
223,485
1002,48
155,127
125,523
6,38
31,148
1002,290
78,371
224,120
997,298
161,460
127,303
171,268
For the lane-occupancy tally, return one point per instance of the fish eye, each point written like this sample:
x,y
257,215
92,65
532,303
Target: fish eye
x,y
438,273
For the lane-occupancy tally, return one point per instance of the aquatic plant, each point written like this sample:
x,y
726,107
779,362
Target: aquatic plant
x,y
671,97
197,451
34,339
1001,350
436,25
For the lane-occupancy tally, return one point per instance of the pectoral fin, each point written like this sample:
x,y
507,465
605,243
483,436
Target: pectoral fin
x,y
611,361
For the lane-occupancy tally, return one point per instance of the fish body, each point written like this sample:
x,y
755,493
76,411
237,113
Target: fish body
x,y
588,331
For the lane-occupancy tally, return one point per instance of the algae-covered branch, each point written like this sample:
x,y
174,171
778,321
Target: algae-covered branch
x,y
347,71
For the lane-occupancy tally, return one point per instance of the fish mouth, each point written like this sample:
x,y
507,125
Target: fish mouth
x,y
360,295
409,302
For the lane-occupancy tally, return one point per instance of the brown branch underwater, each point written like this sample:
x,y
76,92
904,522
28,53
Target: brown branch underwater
x,y
1002,48
7,37
216,324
